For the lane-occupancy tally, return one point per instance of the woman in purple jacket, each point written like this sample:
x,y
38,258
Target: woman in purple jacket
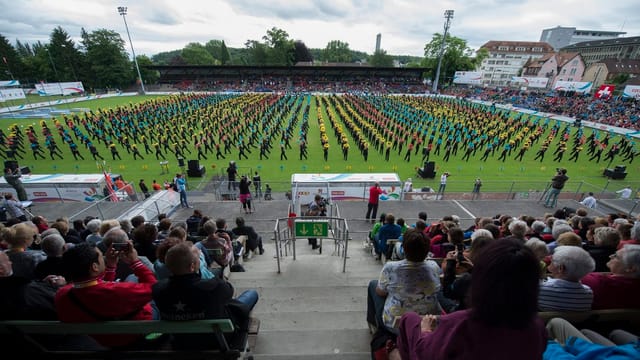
x,y
502,322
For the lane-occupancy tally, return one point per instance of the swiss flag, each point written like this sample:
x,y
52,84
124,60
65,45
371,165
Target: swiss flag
x,y
604,92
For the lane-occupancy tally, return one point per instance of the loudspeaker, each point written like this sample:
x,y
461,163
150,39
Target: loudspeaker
x,y
194,164
11,164
428,171
615,174
180,162
199,172
620,168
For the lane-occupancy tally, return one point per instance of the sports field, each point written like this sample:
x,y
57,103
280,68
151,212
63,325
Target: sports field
x,y
191,121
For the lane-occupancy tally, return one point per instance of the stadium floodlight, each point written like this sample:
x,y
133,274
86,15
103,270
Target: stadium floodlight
x,y
122,10
448,15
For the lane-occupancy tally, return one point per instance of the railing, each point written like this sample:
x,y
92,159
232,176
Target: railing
x,y
285,235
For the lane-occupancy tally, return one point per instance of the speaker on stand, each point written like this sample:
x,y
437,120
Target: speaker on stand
x,y
428,171
195,169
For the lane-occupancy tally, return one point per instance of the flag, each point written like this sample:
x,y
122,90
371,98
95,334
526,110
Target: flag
x,y
604,92
112,193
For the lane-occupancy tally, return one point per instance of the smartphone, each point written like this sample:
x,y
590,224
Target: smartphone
x,y
120,246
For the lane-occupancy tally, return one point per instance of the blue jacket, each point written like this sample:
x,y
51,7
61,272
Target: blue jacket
x,y
579,349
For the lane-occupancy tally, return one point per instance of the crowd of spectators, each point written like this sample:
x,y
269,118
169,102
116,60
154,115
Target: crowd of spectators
x,y
580,263
98,270
617,111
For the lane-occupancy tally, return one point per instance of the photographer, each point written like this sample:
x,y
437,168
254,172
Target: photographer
x,y
557,183
13,178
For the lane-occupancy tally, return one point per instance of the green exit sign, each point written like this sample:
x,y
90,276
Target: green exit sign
x,y
312,229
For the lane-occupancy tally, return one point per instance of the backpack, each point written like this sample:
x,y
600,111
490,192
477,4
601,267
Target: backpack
x,y
217,250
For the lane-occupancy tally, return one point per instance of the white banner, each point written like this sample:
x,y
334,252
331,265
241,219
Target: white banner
x,y
5,83
467,77
530,82
11,94
577,86
632,91
64,88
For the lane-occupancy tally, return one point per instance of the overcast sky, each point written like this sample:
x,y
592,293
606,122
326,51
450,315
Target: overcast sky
x,y
405,25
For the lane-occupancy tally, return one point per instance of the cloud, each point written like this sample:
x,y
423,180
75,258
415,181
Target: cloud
x,y
406,25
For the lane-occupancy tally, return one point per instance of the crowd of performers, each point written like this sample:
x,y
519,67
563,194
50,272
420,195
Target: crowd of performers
x,y
238,126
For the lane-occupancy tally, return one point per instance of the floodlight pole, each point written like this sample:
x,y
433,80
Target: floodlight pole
x,y
122,10
448,15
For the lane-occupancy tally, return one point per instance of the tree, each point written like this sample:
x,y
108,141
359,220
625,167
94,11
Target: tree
x,y
380,59
64,56
109,62
225,57
257,53
337,51
301,52
280,49
149,76
11,62
197,54
457,56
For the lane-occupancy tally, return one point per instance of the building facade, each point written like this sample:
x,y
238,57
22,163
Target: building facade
x,y
507,58
595,51
560,36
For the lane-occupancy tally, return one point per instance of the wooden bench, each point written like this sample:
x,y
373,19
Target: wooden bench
x,y
29,331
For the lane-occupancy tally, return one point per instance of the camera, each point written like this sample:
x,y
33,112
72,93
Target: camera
x,y
120,246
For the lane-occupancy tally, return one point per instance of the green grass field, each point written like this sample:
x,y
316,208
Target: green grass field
x,y
496,175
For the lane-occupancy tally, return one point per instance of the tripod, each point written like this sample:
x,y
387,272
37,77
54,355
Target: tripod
x,y
544,193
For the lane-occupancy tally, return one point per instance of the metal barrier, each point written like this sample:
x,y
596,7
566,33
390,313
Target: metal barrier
x,y
288,230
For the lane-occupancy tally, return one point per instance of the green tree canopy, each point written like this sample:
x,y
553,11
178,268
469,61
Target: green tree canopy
x,y
381,59
457,56
337,51
197,54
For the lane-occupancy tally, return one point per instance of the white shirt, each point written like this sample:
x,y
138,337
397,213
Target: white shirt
x,y
408,187
443,179
625,193
589,202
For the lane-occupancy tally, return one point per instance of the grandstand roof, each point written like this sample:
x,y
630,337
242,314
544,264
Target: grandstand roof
x,y
201,72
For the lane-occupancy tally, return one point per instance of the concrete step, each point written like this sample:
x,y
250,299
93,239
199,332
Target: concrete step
x,y
311,342
338,356
316,319
315,299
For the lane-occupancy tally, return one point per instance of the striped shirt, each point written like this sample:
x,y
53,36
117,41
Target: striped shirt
x,y
563,295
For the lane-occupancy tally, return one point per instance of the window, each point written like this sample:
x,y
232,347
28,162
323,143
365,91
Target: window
x,y
521,48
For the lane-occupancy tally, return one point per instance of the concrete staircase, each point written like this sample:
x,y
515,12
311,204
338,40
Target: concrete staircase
x,y
311,309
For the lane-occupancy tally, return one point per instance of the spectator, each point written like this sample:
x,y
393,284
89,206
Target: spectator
x,y
625,193
590,201
568,343
15,209
53,246
411,284
19,239
24,299
621,287
605,243
94,236
390,230
254,241
145,241
562,291
633,237
501,322
202,298
94,296
160,267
